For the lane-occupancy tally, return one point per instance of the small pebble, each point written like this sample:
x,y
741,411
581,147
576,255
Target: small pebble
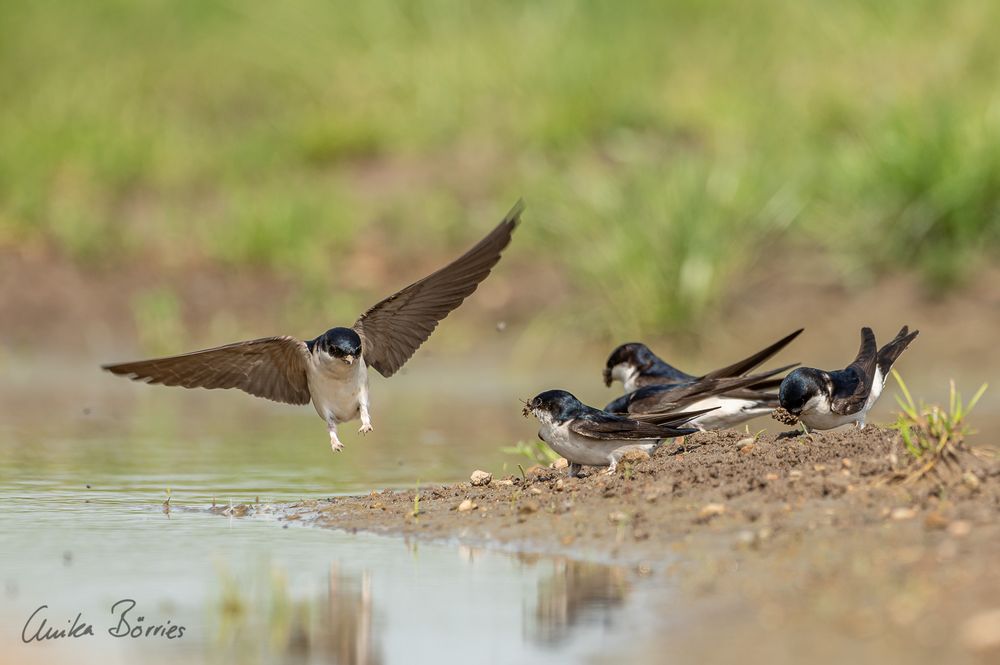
x,y
935,520
903,514
634,457
710,510
528,507
466,506
959,529
970,480
560,463
480,478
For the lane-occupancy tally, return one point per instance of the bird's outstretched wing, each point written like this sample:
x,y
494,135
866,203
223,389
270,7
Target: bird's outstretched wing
x,y
853,385
392,330
271,367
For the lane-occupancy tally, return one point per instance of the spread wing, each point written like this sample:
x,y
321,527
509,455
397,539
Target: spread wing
x,y
393,329
271,367
853,385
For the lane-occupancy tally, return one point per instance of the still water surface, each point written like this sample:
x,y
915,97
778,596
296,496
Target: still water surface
x,y
87,465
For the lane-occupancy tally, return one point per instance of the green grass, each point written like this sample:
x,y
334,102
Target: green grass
x,y
536,452
932,433
663,147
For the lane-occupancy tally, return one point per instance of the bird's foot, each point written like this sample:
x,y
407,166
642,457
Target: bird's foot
x,y
335,445
365,428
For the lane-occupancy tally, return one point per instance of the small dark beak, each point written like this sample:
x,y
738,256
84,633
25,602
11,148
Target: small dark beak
x,y
607,376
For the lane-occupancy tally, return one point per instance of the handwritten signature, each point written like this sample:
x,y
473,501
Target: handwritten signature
x,y
38,627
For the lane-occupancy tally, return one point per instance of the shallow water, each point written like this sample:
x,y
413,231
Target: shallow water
x,y
88,461
87,466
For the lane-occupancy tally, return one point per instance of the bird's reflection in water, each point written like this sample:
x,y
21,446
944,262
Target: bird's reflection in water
x,y
335,629
576,594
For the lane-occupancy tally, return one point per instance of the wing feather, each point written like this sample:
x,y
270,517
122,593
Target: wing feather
x,y
393,329
863,369
270,367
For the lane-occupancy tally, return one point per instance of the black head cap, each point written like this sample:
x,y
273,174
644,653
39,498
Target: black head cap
x,y
558,403
799,387
340,342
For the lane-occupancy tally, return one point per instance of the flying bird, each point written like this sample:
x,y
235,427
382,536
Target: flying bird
x,y
331,370
650,381
588,436
824,400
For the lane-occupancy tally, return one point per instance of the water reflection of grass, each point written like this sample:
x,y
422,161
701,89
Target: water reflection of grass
x,y
666,144
259,620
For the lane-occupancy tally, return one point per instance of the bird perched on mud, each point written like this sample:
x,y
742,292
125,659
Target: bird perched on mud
x,y
650,382
331,370
729,400
588,436
824,400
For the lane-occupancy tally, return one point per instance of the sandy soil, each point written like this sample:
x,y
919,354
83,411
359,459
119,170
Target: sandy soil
x,y
803,550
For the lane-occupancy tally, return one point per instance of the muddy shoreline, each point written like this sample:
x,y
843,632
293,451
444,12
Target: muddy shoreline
x,y
817,543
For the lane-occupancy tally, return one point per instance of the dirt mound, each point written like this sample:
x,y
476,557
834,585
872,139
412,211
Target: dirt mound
x,y
723,479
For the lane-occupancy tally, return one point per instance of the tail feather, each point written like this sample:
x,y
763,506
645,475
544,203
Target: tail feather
x,y
888,354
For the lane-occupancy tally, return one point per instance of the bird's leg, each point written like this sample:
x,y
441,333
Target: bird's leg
x,y
366,419
335,444
574,470
614,465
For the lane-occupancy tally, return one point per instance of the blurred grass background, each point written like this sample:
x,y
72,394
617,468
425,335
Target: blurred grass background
x,y
664,148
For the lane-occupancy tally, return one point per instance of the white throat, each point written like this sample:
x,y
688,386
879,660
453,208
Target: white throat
x,y
628,374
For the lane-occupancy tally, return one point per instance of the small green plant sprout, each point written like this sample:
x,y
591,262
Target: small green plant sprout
x,y
416,502
931,433
536,451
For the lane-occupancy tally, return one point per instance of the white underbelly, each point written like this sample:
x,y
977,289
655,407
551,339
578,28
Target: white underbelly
x,y
590,452
336,389
828,420
730,412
